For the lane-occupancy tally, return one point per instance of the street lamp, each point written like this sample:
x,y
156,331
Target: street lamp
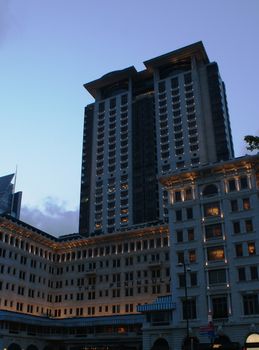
x,y
185,270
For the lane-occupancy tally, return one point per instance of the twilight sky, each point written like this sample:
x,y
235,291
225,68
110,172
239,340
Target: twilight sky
x,y
50,48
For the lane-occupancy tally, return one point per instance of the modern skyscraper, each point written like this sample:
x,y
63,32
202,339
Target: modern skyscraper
x,y
10,202
171,116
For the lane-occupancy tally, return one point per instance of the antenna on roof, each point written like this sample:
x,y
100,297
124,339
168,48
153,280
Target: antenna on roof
x,y
14,185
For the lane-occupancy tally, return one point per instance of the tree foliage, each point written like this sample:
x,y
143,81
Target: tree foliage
x,y
252,142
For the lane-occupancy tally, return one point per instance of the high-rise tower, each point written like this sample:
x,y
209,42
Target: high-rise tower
x,y
10,201
171,116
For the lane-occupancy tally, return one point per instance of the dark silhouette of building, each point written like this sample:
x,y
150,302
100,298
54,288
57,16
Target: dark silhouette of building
x,y
10,202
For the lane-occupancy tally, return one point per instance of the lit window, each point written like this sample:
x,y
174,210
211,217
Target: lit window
x,y
124,219
124,211
215,253
211,209
246,203
192,256
124,186
251,248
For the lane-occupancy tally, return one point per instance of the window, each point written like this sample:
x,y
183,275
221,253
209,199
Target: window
x,y
161,86
190,232
192,256
193,279
177,196
174,83
254,273
179,151
101,107
251,304
210,190
112,103
241,274
220,307
243,182
239,249
251,248
175,92
181,280
236,227
234,205
179,236
246,204
189,213
215,253
217,276
180,165
188,78
193,139
213,231
124,99
211,209
178,215
180,257
189,309
249,225
232,185
188,194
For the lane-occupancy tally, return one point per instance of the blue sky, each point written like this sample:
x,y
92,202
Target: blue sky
x,y
50,48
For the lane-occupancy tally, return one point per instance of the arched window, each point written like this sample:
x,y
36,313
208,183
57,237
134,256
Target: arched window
x,y
210,190
190,343
160,344
14,346
252,341
32,347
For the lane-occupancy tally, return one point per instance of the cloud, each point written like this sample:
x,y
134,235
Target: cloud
x,y
52,218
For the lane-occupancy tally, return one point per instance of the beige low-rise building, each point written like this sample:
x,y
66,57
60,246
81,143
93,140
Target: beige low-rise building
x,y
98,280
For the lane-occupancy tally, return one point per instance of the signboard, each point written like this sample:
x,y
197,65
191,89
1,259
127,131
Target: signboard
x,y
208,330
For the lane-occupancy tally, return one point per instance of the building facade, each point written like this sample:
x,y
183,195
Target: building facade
x,y
142,125
88,283
214,225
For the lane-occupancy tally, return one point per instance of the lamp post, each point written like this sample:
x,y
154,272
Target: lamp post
x,y
185,270
186,303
